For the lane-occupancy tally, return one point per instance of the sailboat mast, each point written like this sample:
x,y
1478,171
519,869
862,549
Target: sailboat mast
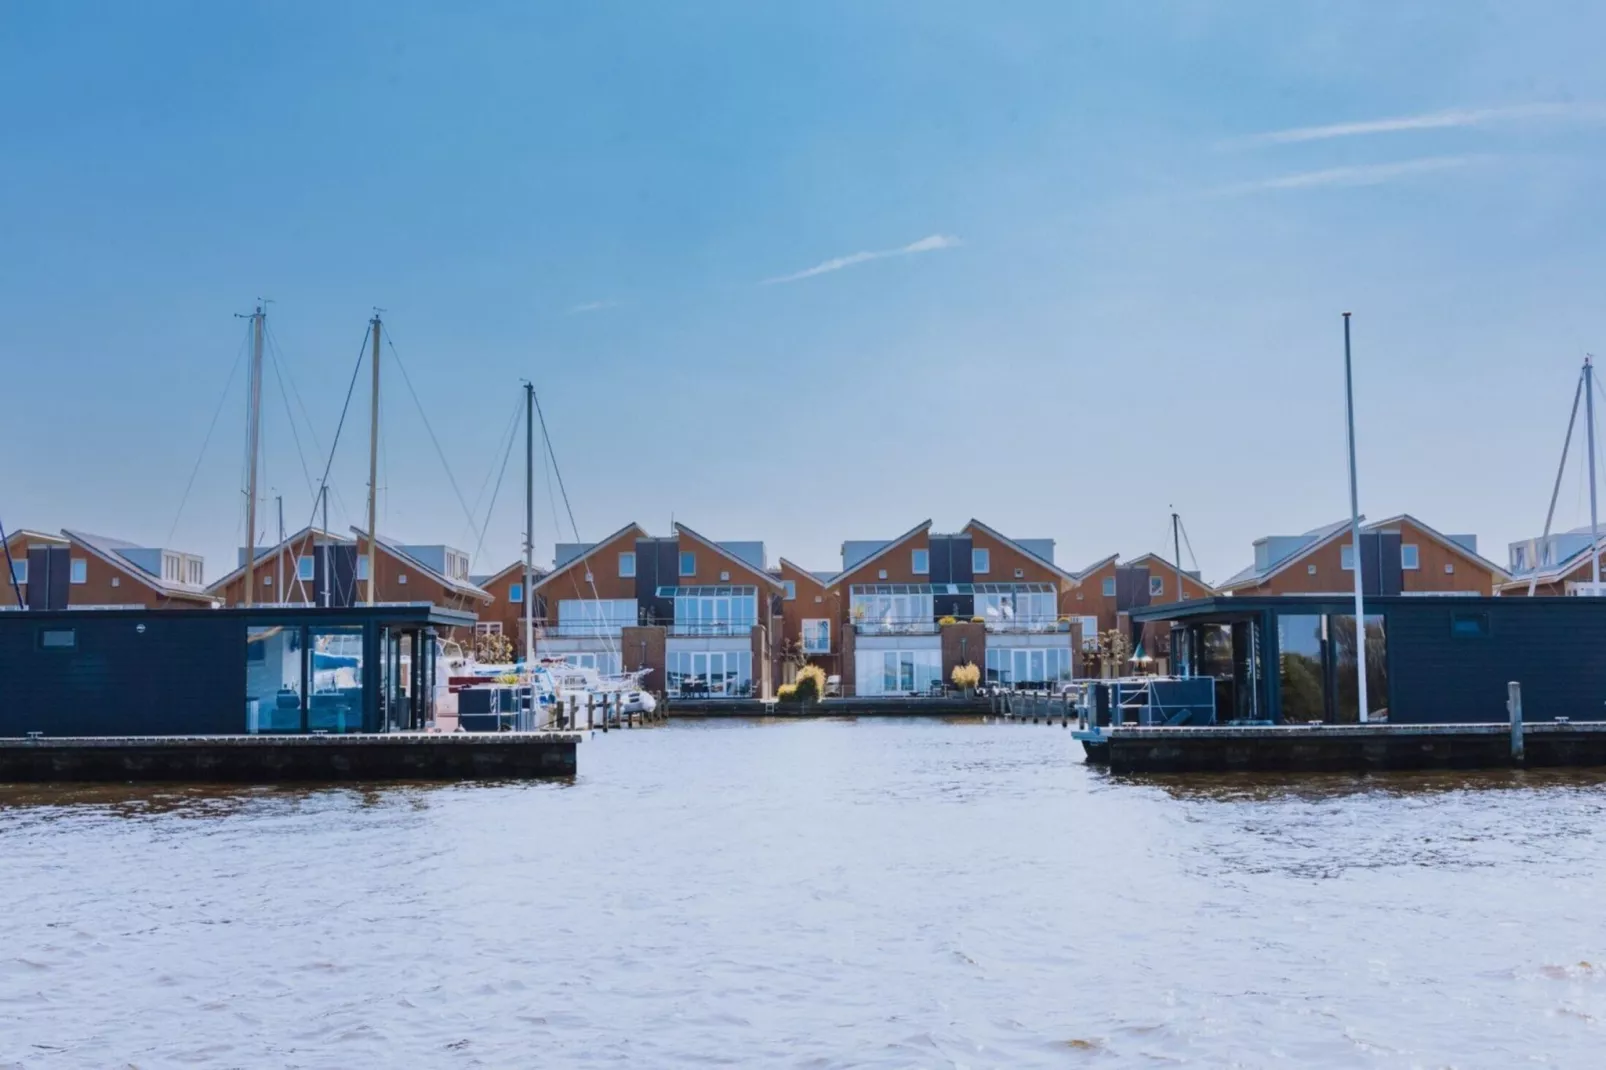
x,y
1355,533
1176,548
1594,516
279,579
373,468
253,431
529,524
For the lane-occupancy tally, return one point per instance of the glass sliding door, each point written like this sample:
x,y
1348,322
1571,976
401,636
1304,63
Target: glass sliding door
x,y
1302,667
273,680
335,703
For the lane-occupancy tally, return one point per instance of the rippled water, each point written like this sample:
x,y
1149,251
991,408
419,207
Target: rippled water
x,y
815,894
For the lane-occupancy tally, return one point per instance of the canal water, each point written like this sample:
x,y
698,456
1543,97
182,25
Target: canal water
x,y
818,894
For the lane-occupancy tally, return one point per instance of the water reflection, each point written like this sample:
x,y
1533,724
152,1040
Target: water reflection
x,y
810,894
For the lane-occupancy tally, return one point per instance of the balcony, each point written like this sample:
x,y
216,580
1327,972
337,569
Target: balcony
x,y
708,628
585,629
895,626
1025,625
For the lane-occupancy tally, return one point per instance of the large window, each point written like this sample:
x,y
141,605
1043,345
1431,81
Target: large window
x,y
306,568
78,571
362,568
1302,646
1316,668
515,592
1409,556
335,702
606,664
714,610
816,637
1026,608
790,587
709,673
920,562
627,564
892,608
1346,556
273,679
688,563
981,561
19,570
897,672
595,616
1108,587
1030,668
1090,633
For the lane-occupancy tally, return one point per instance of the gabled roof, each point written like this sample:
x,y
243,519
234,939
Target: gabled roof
x,y
1170,568
813,577
924,525
582,558
1079,576
485,581
395,550
1018,548
773,581
107,549
270,551
30,533
1325,536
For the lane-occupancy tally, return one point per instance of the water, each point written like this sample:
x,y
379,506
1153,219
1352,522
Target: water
x,y
817,894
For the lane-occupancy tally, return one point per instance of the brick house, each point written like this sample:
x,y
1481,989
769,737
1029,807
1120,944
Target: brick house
x,y
76,569
1558,564
811,620
1106,592
703,618
1000,595
505,615
1399,555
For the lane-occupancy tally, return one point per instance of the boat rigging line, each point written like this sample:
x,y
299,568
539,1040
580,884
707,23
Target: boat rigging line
x,y
351,388
450,478
512,436
206,441
11,568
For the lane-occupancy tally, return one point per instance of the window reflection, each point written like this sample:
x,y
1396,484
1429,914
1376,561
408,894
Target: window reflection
x,y
273,679
336,701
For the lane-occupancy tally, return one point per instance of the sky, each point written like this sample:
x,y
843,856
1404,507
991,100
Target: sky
x,y
801,272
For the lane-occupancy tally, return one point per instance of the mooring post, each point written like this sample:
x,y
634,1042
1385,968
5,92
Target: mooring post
x,y
591,706
1514,707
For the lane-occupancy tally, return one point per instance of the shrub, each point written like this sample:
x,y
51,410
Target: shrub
x,y
809,685
978,620
786,692
493,649
945,621
966,677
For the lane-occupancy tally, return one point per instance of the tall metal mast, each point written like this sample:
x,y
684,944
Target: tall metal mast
x,y
1176,548
279,577
1594,517
253,431
328,568
1555,491
1355,532
373,468
529,524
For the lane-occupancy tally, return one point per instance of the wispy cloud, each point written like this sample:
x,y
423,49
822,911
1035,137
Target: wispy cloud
x,y
1433,120
1360,175
592,306
929,244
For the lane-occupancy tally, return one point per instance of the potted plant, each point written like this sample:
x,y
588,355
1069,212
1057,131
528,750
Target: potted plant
x,y
807,689
947,619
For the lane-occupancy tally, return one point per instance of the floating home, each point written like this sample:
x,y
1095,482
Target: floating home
x,y
278,693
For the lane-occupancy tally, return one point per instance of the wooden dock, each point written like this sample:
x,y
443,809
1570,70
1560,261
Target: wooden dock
x,y
1345,748
272,759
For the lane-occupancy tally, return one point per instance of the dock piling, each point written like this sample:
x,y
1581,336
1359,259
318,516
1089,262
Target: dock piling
x,y
1514,707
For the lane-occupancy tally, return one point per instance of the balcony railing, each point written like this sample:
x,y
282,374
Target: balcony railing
x,y
585,629
1026,625
895,626
711,628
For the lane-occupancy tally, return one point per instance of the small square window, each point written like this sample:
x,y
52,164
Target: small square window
x,y
58,638
1310,570
78,571
515,592
920,562
883,574
724,577
688,563
1020,574
1464,625
1109,587
791,589
627,564
590,578
1409,558
267,581
981,561
401,578
117,581
819,598
1449,569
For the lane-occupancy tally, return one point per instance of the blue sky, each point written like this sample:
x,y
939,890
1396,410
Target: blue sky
x,y
808,272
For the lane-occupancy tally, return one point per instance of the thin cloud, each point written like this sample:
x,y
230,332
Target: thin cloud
x,y
592,306
1361,175
1433,120
930,244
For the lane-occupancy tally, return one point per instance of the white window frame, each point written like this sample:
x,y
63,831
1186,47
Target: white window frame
x,y
1107,588
685,556
920,562
19,571
791,589
1415,564
1156,586
820,627
1090,633
78,571
627,564
515,592
981,560
195,571
362,568
1346,556
488,627
306,568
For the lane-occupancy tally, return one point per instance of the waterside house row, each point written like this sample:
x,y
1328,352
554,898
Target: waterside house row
x,y
901,613
1558,564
